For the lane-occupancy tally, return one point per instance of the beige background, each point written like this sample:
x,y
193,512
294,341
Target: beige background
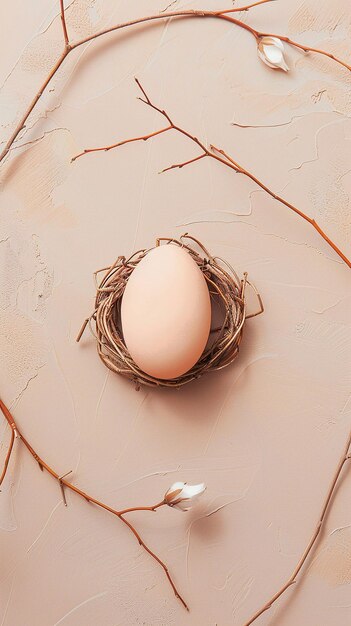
x,y
265,434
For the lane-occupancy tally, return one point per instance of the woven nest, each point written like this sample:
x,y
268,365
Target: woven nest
x,y
227,295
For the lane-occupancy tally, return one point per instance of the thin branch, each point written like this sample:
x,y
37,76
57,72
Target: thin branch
x,y
154,556
223,14
222,157
65,483
190,13
346,455
245,8
121,143
241,170
293,578
180,165
143,508
8,456
64,25
21,124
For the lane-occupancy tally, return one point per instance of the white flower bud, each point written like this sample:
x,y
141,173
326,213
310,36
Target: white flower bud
x,y
183,496
271,52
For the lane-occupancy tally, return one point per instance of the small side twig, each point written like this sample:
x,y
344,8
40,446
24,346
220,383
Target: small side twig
x,y
220,156
64,25
121,143
62,486
143,508
183,163
8,456
66,484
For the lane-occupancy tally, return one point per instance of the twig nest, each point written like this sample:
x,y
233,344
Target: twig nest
x,y
219,329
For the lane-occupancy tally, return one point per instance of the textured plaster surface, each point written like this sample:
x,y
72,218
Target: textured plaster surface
x,y
265,434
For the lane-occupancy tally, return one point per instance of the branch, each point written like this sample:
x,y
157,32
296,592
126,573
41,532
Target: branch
x,y
222,15
218,155
143,508
154,556
245,8
64,25
121,143
241,170
293,578
8,456
180,165
65,484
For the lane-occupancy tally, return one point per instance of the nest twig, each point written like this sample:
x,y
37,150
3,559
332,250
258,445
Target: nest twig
x,y
223,346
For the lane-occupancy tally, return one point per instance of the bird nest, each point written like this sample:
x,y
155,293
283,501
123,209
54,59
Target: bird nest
x,y
227,293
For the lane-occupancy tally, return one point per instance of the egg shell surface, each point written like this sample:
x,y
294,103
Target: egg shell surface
x,y
166,312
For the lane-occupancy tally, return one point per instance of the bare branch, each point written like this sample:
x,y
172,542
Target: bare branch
x,y
63,22
223,14
325,507
65,483
222,157
246,8
121,143
241,170
180,165
8,456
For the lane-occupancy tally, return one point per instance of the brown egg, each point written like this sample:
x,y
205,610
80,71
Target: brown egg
x,y
166,312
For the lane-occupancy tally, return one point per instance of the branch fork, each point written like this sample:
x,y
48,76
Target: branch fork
x,y
64,484
223,14
178,495
219,155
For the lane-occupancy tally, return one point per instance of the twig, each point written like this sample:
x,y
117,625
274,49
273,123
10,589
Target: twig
x,y
346,455
62,486
122,143
245,8
164,567
222,14
180,165
292,580
64,25
143,508
8,456
64,483
222,157
241,170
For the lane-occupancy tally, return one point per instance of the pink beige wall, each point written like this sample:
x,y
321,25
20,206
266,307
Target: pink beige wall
x,y
265,434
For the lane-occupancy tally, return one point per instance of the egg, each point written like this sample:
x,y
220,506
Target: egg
x,y
166,312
